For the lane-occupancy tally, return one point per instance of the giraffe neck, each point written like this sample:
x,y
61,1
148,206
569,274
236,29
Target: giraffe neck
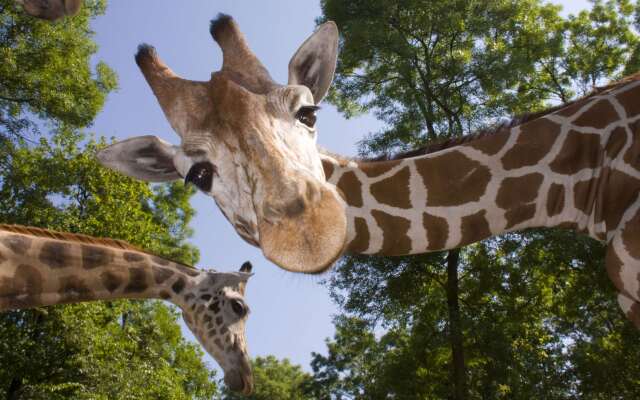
x,y
41,268
555,170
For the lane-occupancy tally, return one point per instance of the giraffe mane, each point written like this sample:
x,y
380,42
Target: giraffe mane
x,y
75,237
499,127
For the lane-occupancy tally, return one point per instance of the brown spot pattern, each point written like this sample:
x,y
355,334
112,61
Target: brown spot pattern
x,y
631,236
474,227
514,192
111,280
395,239
394,190
187,270
519,214
491,144
55,254
160,260
572,109
374,169
73,289
534,142
360,242
328,168
617,192
614,269
555,199
437,231
579,151
17,243
629,100
584,193
452,179
161,274
178,285
598,116
351,187
137,281
94,256
133,257
634,314
632,155
27,282
616,142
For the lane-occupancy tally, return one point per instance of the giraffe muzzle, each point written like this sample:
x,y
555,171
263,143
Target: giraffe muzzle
x,y
308,240
240,382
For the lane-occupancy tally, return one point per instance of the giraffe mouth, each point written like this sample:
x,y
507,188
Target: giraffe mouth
x,y
239,382
309,241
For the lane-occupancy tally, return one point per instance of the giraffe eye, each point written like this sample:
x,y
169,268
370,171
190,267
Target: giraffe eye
x,y
201,175
238,308
307,115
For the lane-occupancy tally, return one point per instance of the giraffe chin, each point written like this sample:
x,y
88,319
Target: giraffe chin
x,y
309,242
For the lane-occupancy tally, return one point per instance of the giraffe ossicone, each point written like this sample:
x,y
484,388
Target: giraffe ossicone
x,y
41,267
250,143
51,10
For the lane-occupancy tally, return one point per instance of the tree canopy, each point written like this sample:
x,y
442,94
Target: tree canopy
x,y
275,379
49,177
525,315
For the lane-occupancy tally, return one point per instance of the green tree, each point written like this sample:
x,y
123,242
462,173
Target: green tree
x,y
46,70
275,380
124,349
49,177
523,316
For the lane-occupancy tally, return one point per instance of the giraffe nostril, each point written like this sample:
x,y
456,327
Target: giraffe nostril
x,y
295,207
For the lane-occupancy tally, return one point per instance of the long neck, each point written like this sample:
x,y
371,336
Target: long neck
x,y
41,268
542,173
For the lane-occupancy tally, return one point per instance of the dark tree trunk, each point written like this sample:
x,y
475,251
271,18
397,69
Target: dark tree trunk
x,y
14,389
458,371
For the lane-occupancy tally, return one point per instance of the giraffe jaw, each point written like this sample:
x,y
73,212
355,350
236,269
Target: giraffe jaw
x,y
309,242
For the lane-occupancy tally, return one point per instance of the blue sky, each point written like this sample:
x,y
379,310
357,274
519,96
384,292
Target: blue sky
x,y
291,314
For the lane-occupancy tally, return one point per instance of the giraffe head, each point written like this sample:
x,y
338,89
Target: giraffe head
x,y
213,307
250,144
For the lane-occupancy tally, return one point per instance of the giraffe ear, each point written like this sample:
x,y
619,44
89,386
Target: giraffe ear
x,y
314,63
148,158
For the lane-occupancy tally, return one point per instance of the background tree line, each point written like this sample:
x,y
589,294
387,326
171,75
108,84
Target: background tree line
x,y
528,315
49,177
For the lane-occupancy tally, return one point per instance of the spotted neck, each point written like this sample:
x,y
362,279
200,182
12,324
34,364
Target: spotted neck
x,y
566,168
41,268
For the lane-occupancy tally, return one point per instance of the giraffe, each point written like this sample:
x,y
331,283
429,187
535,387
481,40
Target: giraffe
x,y
51,10
245,142
41,267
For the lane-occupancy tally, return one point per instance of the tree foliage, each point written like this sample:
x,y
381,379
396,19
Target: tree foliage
x,y
46,70
49,177
537,313
275,380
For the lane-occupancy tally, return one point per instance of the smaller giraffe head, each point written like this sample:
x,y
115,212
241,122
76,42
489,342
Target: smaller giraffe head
x,y
213,307
250,143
